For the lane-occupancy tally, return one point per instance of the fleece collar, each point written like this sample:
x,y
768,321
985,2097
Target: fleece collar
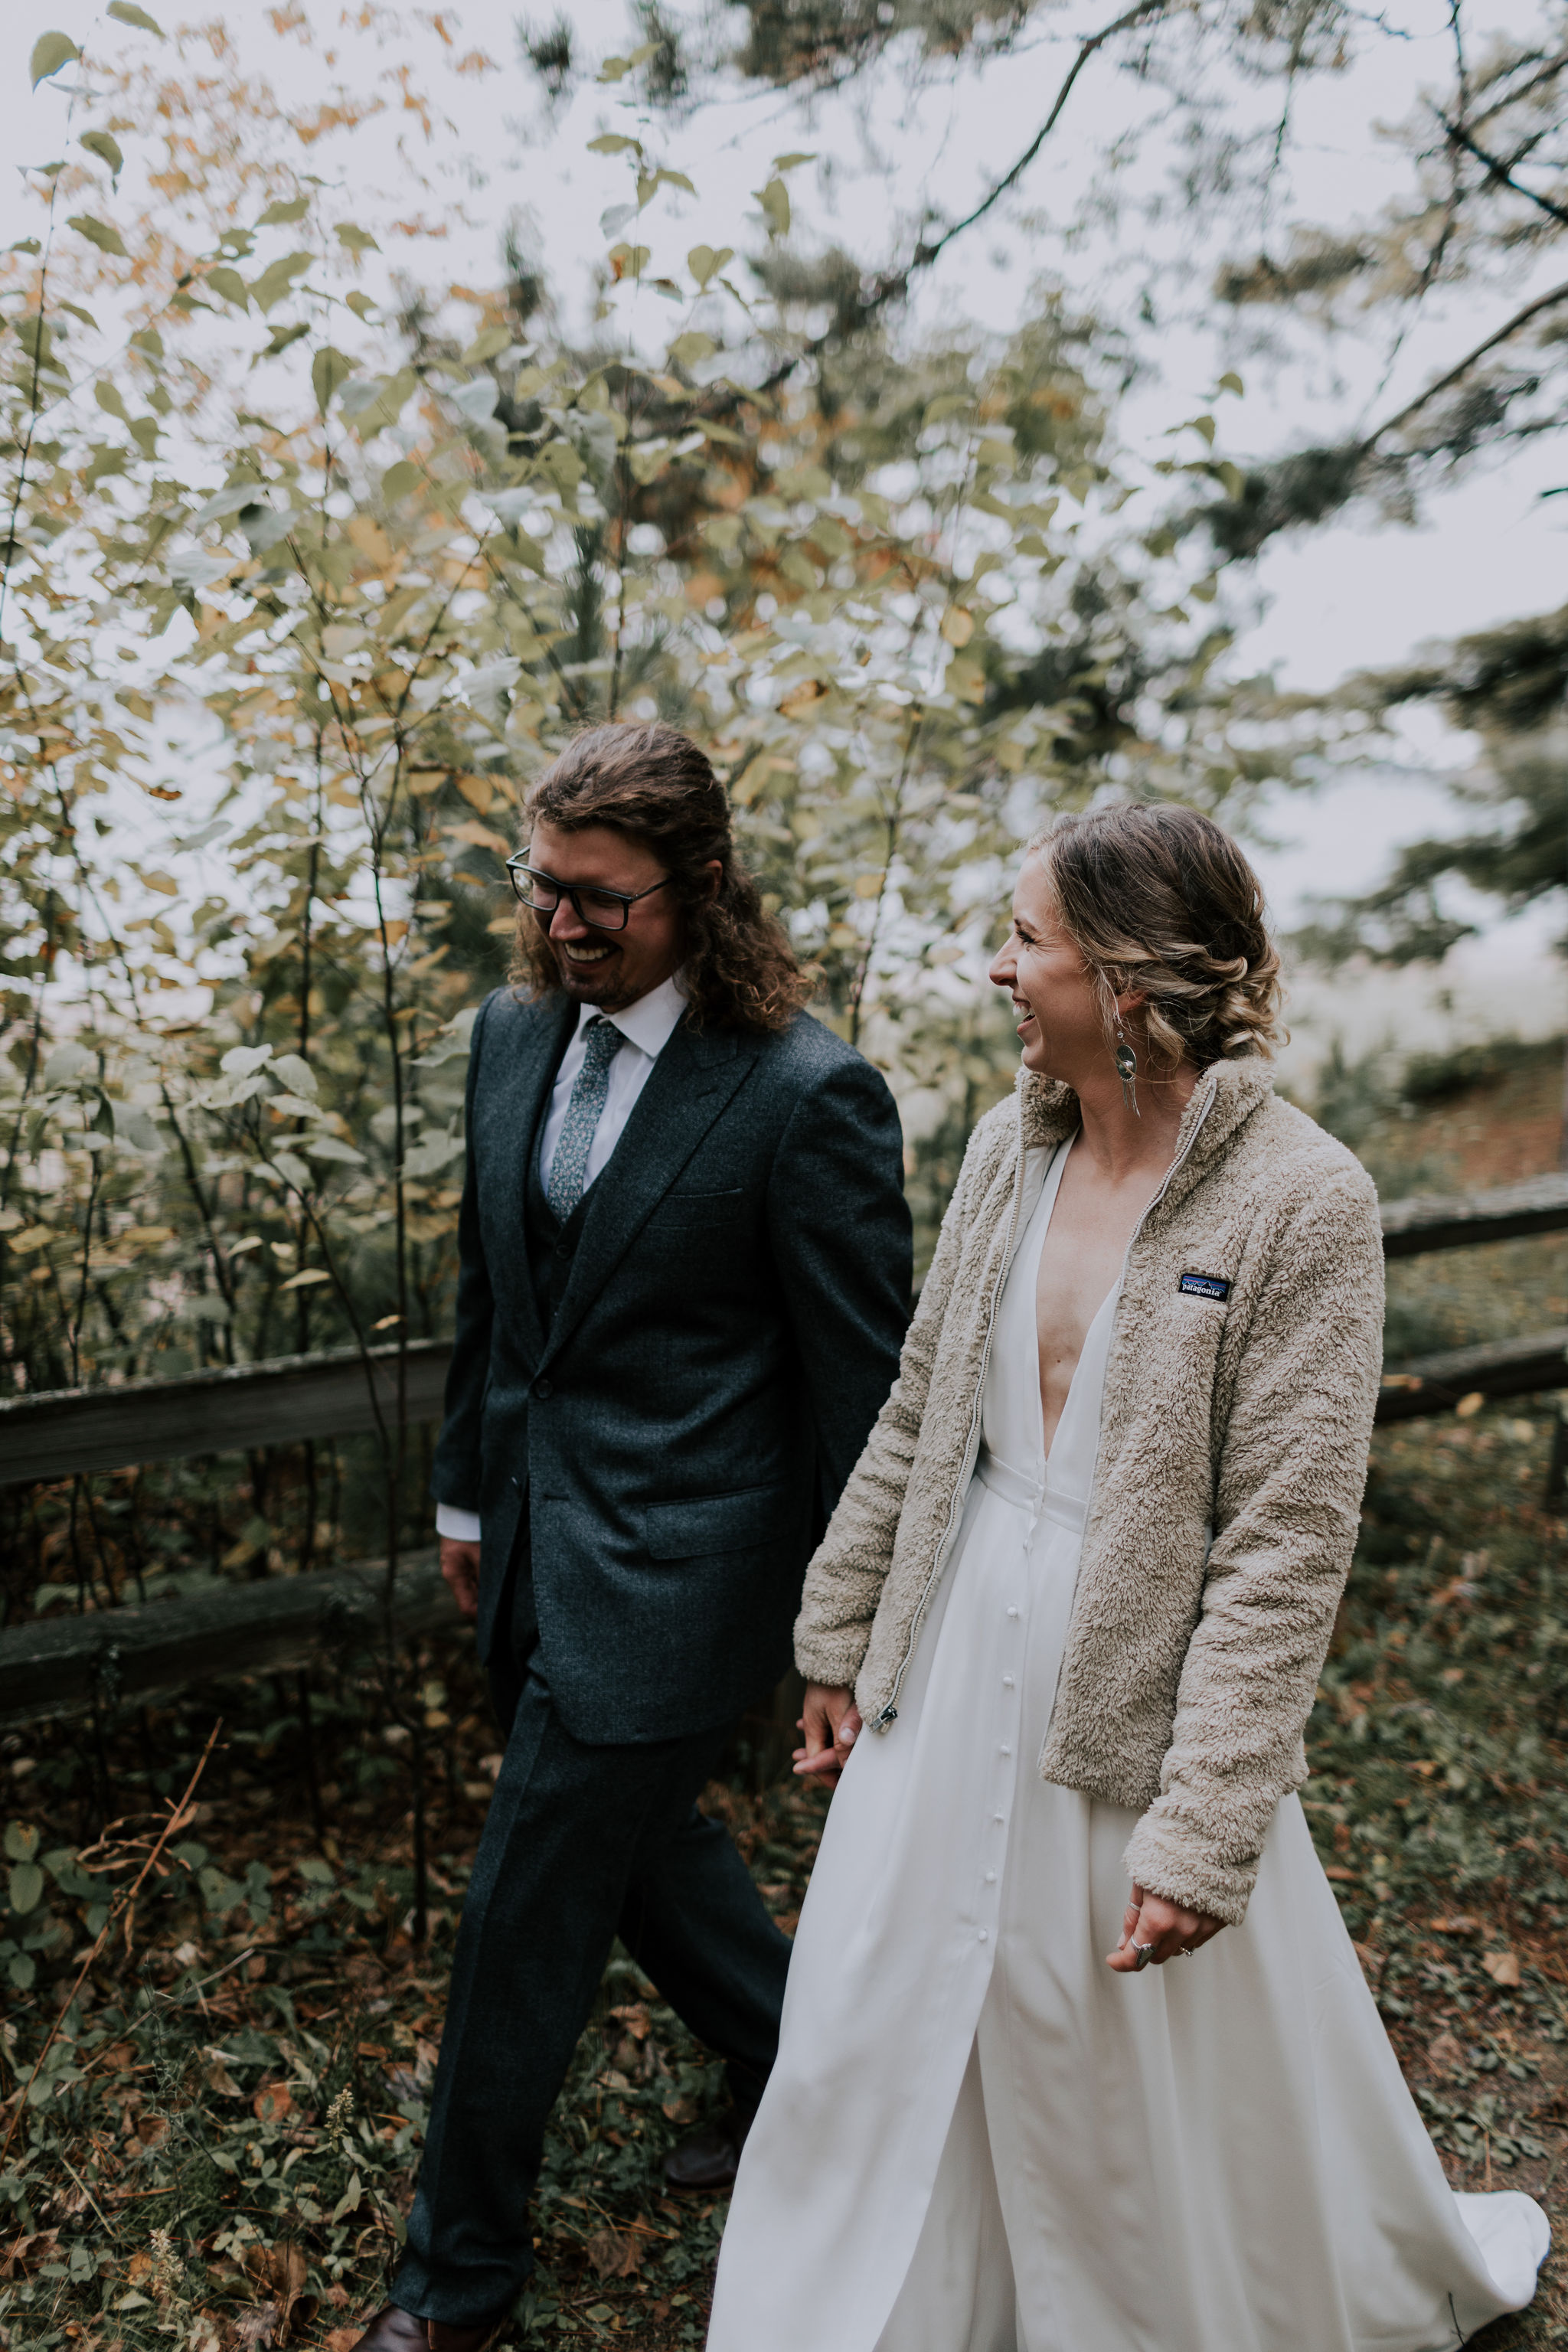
x,y
1225,1097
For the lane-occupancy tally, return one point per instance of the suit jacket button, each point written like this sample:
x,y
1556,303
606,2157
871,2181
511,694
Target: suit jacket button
x,y
543,1388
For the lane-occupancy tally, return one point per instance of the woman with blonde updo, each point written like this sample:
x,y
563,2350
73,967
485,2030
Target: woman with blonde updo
x,y
1061,1639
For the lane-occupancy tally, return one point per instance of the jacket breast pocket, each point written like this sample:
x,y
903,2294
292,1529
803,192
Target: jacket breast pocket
x,y
687,1211
710,1523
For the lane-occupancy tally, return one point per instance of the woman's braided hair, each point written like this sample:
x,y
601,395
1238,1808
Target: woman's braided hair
x,y
1160,900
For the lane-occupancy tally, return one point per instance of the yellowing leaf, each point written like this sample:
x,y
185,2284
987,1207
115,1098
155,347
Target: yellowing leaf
x,y
775,201
800,699
275,279
1468,1406
290,208
107,148
480,836
478,790
126,12
164,883
688,349
705,262
957,624
51,52
103,234
398,480
302,1281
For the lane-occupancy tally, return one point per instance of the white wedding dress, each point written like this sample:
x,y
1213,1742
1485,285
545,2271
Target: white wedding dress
x,y
980,2138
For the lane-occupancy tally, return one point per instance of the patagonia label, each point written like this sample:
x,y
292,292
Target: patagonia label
x,y
1205,1285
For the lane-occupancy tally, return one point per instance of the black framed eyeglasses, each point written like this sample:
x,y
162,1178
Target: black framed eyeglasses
x,y
605,911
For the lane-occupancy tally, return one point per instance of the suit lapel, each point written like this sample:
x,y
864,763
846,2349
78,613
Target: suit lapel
x,y
692,1082
531,1081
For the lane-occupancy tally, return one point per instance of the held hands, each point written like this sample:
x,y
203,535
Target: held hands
x,y
831,1724
1150,1920
461,1567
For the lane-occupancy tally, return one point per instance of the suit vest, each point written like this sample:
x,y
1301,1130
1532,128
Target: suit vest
x,y
551,1246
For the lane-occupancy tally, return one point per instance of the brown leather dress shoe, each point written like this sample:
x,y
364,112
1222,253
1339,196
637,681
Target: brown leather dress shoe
x,y
393,2330
709,2158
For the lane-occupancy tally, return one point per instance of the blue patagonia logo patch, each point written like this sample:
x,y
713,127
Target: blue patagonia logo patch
x,y
1205,1285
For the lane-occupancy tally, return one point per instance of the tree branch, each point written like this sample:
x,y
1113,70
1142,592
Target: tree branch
x,y
1145,10
892,283
1499,171
1510,327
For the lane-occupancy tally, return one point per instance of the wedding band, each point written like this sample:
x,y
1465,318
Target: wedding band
x,y
1144,1952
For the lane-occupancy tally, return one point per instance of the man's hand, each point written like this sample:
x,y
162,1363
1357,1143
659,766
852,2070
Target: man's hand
x,y
461,1567
831,1724
1149,1920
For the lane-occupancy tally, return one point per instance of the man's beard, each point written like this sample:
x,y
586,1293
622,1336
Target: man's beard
x,y
600,982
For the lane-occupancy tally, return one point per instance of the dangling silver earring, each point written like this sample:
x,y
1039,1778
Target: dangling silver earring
x,y
1126,1067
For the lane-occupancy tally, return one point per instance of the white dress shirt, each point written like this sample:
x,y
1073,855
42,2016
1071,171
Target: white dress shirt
x,y
647,1027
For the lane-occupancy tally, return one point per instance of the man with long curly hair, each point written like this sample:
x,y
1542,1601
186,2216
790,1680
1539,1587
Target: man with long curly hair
x,y
684,1275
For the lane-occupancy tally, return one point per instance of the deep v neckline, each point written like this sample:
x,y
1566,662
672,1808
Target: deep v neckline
x,y
1049,1196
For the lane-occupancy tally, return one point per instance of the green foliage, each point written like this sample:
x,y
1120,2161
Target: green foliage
x,y
1509,686
388,567
234,2102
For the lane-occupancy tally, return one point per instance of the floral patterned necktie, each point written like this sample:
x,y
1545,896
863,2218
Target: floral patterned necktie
x,y
601,1042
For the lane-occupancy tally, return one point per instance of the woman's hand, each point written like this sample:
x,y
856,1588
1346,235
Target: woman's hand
x,y
831,1724
1149,1920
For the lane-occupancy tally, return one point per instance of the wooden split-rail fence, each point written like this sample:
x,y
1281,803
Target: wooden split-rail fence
x,y
130,1653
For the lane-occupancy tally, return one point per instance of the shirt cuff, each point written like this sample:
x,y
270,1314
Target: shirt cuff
x,y
462,1527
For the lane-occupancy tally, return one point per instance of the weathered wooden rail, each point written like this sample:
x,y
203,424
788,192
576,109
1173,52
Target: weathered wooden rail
x,y
60,1432
61,1666
132,1654
1414,1227
1502,1368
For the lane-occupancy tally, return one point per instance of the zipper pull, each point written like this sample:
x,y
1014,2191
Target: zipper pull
x,y
889,1715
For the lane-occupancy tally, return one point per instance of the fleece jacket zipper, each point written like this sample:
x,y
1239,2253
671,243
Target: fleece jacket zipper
x,y
970,1443
889,1714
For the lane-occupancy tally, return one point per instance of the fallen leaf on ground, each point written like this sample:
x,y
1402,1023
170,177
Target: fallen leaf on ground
x,y
1503,1968
615,2253
256,2327
1447,2053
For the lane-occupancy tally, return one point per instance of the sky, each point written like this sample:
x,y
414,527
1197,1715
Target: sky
x,y
1361,592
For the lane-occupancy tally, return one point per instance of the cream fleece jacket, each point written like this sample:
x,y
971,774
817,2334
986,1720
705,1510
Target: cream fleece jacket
x,y
1240,1403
